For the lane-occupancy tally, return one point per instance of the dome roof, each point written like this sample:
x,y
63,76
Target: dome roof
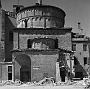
x,y
41,6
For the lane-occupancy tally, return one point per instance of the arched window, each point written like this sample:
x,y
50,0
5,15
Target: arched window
x,y
29,43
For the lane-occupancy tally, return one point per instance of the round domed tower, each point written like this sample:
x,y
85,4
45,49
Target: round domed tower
x,y
40,16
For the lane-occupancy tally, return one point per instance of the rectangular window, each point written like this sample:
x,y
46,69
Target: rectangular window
x,y
9,72
73,47
85,60
84,47
29,43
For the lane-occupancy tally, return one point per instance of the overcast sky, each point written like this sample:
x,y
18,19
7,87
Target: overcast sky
x,y
76,11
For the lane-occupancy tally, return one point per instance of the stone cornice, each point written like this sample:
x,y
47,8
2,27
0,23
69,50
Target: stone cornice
x,y
47,31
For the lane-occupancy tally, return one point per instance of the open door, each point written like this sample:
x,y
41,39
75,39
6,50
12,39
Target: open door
x,y
25,74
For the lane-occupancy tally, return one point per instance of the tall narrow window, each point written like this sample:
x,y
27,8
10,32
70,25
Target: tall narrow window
x,y
84,47
73,47
9,72
29,43
10,36
25,23
85,60
56,43
75,61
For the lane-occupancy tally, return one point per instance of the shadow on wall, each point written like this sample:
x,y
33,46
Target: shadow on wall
x,y
10,24
79,70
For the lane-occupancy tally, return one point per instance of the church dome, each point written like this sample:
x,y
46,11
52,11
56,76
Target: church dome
x,y
40,16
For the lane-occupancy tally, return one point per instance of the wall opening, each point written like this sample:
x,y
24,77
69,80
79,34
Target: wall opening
x,y
25,74
9,72
24,69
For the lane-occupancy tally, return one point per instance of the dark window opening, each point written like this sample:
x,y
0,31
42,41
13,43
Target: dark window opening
x,y
9,76
75,61
84,47
29,43
10,36
9,69
56,43
73,47
25,23
17,9
85,60
9,72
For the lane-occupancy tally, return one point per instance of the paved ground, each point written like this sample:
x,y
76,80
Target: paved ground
x,y
41,87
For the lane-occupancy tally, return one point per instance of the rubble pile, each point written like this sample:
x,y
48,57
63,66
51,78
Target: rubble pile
x,y
49,82
8,82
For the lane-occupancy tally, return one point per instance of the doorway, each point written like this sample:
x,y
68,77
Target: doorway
x,y
25,74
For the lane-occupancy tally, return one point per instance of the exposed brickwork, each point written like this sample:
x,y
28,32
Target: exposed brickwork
x,y
41,17
64,40
41,62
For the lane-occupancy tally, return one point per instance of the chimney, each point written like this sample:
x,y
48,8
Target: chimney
x,y
79,25
40,2
16,8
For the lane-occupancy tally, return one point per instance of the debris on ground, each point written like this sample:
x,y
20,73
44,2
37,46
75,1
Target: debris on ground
x,y
10,82
49,82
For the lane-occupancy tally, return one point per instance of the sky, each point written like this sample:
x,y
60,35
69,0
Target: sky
x,y
76,11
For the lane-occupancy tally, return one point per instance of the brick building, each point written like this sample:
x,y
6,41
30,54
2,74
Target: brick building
x,y
33,39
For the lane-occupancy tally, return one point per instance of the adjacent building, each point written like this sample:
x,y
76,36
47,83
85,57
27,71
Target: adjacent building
x,y
81,49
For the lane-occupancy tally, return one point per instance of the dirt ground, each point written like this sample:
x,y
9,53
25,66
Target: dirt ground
x,y
41,87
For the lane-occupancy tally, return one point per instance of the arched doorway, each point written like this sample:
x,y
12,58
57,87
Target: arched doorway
x,y
23,67
25,74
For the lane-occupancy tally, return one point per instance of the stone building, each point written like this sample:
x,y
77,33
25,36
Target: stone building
x,y
33,39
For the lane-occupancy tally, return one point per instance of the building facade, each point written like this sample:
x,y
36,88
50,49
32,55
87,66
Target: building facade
x,y
33,41
81,49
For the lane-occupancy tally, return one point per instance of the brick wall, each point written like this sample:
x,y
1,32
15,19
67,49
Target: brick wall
x,y
10,24
64,39
41,63
41,17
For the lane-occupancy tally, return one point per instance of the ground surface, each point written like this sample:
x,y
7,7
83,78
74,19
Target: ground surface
x,y
41,87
